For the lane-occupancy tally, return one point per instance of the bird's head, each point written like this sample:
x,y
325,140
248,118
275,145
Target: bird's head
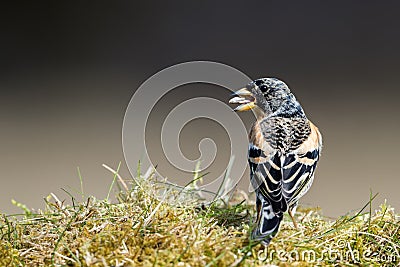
x,y
266,96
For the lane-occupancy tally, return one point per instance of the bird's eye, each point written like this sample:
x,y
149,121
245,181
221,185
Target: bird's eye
x,y
263,88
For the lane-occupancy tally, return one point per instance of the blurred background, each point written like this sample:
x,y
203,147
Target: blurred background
x,y
69,69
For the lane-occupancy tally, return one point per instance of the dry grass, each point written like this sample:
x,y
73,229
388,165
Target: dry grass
x,y
142,229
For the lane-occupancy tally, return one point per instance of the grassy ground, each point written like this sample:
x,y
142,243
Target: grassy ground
x,y
143,228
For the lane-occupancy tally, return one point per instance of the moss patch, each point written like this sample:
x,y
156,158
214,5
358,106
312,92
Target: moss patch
x,y
143,229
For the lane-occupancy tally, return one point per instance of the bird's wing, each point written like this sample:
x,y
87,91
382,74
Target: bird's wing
x,y
282,179
265,170
298,167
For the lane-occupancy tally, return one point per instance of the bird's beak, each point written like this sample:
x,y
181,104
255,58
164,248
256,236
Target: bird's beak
x,y
243,97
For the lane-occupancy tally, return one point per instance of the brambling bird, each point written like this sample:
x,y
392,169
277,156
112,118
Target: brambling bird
x,y
284,148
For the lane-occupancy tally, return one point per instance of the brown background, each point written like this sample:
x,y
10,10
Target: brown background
x,y
67,73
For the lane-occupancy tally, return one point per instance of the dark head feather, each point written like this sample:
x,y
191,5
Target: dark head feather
x,y
273,96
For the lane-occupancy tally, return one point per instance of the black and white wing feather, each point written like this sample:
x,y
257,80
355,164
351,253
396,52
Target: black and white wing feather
x,y
279,174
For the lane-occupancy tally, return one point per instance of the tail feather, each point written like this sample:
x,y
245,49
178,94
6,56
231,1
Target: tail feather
x,y
268,221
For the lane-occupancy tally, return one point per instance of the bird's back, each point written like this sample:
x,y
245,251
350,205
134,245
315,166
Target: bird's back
x,y
285,134
283,154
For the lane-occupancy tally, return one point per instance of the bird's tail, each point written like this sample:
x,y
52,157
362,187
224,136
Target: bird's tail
x,y
268,221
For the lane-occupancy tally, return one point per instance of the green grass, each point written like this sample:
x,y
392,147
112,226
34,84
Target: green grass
x,y
148,225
